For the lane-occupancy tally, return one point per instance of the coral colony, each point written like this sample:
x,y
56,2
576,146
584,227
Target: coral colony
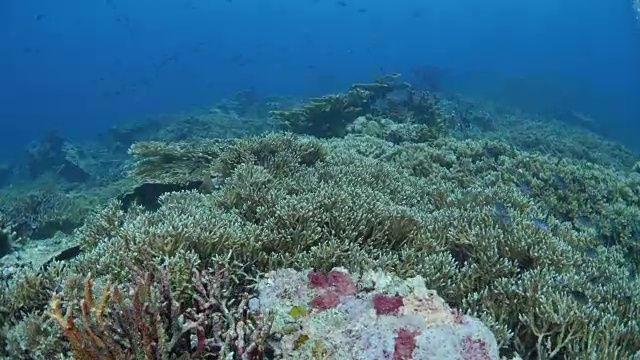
x,y
384,222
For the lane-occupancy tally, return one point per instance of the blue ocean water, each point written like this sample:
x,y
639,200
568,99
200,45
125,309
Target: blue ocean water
x,y
80,66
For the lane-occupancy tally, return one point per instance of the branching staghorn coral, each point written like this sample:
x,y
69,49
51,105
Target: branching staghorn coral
x,y
40,213
454,213
446,211
184,162
181,162
44,209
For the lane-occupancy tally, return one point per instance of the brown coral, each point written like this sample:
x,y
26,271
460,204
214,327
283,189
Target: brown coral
x,y
149,323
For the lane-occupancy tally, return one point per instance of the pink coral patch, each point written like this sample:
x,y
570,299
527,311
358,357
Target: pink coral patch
x,y
342,283
331,288
325,300
317,280
385,305
405,343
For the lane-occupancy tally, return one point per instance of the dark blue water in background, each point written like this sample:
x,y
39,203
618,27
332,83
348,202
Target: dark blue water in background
x,y
79,66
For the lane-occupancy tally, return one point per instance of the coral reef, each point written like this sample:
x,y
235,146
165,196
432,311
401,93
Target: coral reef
x,y
6,173
329,116
6,237
148,322
184,163
452,212
121,137
535,133
249,104
538,243
393,131
54,154
373,316
242,115
39,212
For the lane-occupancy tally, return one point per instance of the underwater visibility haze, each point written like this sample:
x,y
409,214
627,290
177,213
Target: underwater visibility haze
x,y
319,179
78,66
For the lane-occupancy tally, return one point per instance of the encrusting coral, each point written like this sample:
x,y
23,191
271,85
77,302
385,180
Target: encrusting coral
x,y
374,316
